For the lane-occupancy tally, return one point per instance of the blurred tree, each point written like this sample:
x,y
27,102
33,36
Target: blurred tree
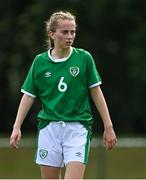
x,y
113,31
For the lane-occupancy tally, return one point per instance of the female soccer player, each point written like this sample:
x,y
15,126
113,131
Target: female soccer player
x,y
61,78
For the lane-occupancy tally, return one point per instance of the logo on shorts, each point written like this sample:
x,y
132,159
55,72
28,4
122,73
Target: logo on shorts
x,y
74,71
79,154
43,153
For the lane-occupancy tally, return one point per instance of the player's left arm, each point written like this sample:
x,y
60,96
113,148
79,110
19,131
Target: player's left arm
x,y
109,137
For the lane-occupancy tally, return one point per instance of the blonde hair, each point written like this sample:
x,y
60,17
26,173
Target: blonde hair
x,y
52,23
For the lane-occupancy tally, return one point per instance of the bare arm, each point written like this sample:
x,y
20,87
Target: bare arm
x,y
109,137
25,105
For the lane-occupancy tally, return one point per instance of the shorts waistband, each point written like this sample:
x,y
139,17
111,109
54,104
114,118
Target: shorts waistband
x,y
59,122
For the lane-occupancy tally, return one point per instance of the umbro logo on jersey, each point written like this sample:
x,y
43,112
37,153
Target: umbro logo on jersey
x,y
74,71
48,74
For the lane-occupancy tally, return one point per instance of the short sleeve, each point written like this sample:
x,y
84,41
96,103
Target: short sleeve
x,y
93,77
28,86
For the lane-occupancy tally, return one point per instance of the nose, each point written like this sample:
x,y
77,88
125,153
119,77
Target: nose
x,y
69,35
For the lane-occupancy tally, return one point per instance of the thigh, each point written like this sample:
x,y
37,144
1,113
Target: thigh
x,y
74,170
48,172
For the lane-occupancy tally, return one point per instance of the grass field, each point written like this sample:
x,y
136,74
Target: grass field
x,y
120,163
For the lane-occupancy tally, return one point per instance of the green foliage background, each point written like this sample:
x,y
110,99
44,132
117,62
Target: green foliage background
x,y
114,31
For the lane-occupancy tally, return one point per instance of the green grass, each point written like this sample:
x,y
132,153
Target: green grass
x,y
119,163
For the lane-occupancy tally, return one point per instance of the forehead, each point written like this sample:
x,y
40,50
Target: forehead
x,y
66,24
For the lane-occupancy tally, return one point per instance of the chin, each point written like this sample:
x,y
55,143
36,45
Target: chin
x,y
67,46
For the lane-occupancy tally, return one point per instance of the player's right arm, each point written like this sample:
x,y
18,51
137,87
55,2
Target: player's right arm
x,y
24,106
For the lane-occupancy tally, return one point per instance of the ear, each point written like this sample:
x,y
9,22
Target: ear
x,y
51,34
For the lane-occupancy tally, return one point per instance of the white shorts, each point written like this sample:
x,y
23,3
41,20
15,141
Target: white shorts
x,y
62,142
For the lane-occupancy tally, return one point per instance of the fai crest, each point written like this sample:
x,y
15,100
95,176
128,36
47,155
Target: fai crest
x,y
43,153
74,71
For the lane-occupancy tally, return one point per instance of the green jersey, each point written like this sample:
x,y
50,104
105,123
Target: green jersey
x,y
63,86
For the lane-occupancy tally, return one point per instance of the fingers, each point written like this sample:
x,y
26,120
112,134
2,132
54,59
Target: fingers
x,y
109,144
14,141
109,138
15,138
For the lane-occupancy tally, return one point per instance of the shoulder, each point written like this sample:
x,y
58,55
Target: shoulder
x,y
40,58
42,55
80,51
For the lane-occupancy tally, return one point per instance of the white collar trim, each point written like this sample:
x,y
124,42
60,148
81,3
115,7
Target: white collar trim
x,y
61,59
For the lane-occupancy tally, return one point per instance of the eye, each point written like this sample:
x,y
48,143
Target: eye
x,y
73,32
64,32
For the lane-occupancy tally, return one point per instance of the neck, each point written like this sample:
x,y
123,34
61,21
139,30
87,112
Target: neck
x,y
60,53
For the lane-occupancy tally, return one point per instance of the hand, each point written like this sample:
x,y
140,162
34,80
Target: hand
x,y
15,138
109,138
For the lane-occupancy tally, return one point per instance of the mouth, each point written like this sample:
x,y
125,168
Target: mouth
x,y
69,42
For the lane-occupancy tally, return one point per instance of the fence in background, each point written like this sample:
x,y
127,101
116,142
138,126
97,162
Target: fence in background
x,y
129,142
102,164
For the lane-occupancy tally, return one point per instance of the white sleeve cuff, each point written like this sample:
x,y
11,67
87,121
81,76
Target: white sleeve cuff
x,y
94,85
28,93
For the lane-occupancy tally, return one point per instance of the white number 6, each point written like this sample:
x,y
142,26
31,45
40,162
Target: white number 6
x,y
62,86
